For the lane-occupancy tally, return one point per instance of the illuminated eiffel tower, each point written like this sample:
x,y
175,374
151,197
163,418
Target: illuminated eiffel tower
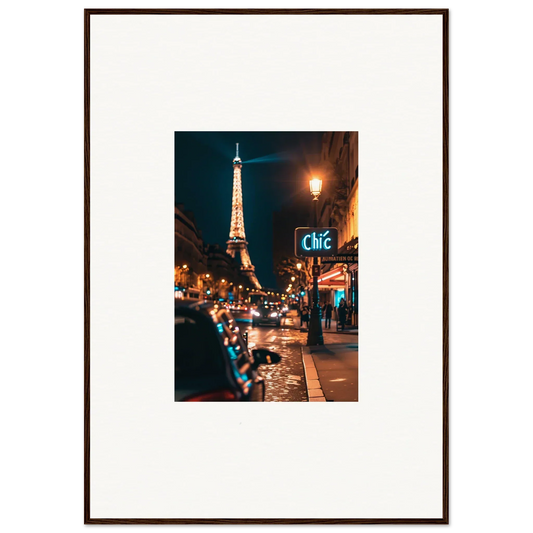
x,y
237,239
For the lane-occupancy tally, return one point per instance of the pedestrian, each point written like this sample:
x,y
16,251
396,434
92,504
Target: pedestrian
x,y
328,309
305,316
342,313
350,312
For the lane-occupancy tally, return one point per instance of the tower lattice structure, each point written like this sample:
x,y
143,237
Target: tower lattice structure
x,y
237,244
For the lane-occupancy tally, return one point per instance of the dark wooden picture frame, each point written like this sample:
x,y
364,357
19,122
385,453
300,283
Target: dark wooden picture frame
x,y
445,280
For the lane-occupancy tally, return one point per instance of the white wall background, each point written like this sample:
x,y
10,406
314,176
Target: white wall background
x,y
380,457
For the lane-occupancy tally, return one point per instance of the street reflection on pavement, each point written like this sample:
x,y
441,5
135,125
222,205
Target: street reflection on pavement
x,y
285,381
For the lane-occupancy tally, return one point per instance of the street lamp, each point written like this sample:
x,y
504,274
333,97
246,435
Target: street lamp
x,y
315,186
184,274
314,335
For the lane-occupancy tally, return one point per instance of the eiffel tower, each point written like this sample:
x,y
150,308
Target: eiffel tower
x,y
237,243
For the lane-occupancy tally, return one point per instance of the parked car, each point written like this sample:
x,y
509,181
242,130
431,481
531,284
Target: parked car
x,y
266,314
212,362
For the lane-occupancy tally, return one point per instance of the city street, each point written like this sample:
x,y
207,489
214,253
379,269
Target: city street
x,y
285,381
299,249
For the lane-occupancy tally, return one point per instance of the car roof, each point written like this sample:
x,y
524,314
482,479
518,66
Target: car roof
x,y
194,304
206,309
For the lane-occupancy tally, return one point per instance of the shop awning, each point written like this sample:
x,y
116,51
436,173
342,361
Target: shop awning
x,y
348,254
333,278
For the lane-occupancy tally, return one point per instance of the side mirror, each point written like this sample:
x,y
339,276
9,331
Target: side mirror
x,y
266,357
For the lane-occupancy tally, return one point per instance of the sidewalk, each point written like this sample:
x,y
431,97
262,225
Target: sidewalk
x,y
331,372
348,330
294,320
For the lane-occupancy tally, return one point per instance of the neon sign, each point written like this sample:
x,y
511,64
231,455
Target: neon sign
x,y
315,242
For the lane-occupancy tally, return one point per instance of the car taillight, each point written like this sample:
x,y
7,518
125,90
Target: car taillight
x,y
222,395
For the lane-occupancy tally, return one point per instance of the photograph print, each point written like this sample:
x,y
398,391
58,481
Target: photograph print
x,y
266,266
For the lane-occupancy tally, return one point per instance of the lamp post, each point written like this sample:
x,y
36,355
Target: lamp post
x,y
209,285
185,270
299,267
314,335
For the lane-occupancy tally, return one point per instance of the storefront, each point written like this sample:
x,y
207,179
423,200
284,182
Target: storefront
x,y
340,279
331,286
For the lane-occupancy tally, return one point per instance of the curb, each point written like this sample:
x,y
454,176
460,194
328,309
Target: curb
x,y
312,381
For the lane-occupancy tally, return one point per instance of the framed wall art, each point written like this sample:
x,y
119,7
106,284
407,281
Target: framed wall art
x,y
266,266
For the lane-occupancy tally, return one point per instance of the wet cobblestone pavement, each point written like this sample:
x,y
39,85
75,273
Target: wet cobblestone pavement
x,y
285,381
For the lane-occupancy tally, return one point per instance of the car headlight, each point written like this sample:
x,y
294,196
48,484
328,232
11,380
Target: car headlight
x,y
255,313
273,315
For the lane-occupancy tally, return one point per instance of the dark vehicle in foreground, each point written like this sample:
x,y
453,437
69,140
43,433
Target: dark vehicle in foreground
x,y
212,362
266,314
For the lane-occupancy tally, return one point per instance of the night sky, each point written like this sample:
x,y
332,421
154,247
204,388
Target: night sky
x,y
275,172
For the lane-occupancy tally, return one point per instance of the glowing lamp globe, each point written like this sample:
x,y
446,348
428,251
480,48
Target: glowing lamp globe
x,y
315,186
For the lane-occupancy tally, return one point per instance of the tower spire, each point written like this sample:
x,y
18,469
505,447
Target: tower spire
x,y
237,245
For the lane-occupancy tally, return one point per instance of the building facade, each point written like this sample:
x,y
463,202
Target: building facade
x,y
225,274
190,261
203,271
339,207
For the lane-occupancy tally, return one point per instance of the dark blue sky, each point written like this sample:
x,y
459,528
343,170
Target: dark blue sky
x,y
276,169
